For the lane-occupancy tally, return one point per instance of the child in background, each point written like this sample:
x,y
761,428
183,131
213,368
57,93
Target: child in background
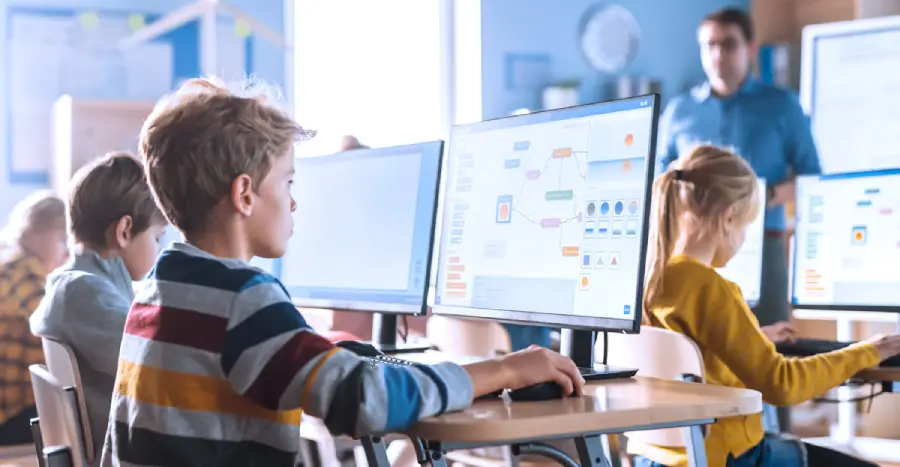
x,y
701,207
116,228
31,245
216,362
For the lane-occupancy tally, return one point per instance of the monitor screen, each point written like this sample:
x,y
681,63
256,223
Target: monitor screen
x,y
545,216
847,244
745,269
363,229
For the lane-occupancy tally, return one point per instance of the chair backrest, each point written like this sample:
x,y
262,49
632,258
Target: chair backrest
x,y
57,413
64,367
657,353
467,338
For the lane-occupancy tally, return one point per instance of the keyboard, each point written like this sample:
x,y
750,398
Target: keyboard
x,y
385,360
810,347
603,372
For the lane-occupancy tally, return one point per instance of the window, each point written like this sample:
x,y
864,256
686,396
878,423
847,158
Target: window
x,y
370,69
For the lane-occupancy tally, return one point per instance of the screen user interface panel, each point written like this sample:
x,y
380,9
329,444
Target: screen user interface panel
x,y
847,246
363,229
544,214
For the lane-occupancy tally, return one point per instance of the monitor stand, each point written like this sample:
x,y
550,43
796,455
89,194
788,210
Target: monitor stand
x,y
384,336
579,346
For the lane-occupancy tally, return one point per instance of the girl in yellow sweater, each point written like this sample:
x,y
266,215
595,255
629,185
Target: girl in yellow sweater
x,y
702,206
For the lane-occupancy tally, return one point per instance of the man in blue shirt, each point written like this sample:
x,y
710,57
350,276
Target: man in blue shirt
x,y
762,123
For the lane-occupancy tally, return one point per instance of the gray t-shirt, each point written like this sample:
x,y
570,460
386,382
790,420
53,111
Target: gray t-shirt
x,y
85,306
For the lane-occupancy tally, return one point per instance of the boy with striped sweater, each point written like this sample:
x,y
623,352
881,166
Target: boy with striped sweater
x,y
216,364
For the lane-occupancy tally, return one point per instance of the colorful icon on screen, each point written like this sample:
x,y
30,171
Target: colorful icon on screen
x,y
859,235
585,283
504,209
629,139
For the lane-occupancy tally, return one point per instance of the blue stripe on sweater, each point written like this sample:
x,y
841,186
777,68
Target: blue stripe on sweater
x,y
403,398
176,266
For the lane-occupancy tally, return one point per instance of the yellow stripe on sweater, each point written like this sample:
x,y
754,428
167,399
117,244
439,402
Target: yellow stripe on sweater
x,y
307,388
192,392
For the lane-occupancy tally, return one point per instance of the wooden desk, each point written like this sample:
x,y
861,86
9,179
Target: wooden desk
x,y
608,407
873,449
881,374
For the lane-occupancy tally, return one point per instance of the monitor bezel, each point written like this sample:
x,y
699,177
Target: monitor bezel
x,y
796,253
385,307
575,322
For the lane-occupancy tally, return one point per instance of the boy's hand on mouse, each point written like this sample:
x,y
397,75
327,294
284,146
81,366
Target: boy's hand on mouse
x,y
539,365
780,332
888,346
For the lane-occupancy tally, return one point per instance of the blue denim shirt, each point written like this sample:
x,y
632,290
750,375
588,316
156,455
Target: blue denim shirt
x,y
762,123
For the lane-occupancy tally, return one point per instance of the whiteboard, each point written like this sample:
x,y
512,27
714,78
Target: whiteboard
x,y
851,91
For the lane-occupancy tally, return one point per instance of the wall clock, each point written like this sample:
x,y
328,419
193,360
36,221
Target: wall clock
x,y
609,37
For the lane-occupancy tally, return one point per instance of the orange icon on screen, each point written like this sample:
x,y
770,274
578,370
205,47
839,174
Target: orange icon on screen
x,y
504,211
629,139
626,166
859,236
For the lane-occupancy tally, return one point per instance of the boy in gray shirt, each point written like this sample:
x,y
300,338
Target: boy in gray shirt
x,y
117,228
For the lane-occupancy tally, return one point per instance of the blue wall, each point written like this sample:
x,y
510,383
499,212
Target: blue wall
x,y
668,49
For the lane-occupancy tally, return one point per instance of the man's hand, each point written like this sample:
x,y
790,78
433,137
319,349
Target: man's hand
x,y
780,332
782,193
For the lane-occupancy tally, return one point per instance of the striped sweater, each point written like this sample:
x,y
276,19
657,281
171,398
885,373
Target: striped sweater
x,y
216,365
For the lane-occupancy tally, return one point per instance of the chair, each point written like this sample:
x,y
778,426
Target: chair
x,y
467,338
471,338
657,353
64,367
58,415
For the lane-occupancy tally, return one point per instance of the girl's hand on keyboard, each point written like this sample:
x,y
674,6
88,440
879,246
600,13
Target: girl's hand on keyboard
x,y
887,345
780,332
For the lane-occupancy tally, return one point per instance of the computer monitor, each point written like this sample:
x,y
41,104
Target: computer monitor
x,y
363,230
545,217
847,244
745,269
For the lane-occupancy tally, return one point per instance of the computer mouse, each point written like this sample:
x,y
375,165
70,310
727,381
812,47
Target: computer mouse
x,y
492,395
537,392
359,348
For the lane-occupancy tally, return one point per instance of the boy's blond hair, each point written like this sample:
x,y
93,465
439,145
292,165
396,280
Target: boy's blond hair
x,y
203,136
695,192
40,212
107,190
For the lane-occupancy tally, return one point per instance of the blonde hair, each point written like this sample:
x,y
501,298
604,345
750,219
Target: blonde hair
x,y
40,212
695,192
198,140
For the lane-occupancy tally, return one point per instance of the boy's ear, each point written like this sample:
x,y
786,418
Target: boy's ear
x,y
242,194
122,231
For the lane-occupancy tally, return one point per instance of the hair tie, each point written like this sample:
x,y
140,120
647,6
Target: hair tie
x,y
679,174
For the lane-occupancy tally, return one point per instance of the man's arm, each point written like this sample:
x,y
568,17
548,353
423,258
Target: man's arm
x,y
666,150
274,358
800,149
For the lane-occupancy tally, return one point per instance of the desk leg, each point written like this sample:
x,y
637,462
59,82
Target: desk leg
x,y
590,451
696,449
510,459
612,449
376,453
